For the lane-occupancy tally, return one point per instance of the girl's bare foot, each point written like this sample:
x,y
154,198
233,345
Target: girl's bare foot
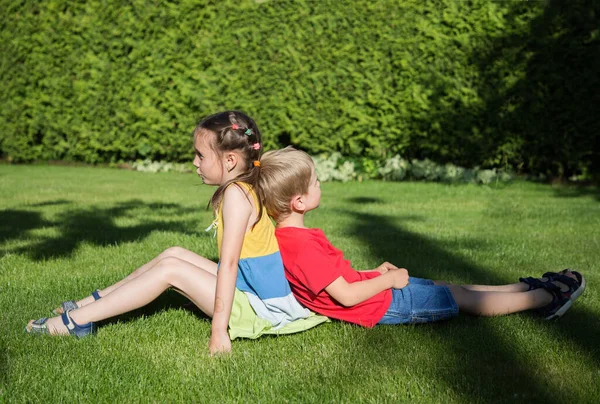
x,y
53,326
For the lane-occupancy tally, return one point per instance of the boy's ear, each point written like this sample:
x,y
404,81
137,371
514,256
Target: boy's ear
x,y
297,204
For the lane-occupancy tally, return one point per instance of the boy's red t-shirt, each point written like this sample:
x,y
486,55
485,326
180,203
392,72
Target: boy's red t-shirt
x,y
311,263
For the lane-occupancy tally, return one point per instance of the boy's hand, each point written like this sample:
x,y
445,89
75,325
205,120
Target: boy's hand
x,y
219,343
386,266
399,277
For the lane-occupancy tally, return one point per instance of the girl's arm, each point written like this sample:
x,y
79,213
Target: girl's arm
x,y
237,211
350,294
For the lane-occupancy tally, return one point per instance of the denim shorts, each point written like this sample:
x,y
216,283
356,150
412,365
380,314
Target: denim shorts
x,y
420,302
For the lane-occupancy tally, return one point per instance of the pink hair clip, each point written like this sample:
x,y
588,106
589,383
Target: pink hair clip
x,y
256,146
235,126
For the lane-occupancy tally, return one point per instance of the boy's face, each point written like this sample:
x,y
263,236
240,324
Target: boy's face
x,y
313,197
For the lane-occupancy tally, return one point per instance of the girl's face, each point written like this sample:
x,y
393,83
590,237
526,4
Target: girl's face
x,y
208,164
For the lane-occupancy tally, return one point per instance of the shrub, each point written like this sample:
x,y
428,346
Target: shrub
x,y
478,83
331,168
150,166
395,169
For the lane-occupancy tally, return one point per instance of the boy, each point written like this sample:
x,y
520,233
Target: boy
x,y
324,282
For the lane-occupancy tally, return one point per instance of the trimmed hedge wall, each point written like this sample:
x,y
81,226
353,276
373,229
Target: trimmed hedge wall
x,y
469,82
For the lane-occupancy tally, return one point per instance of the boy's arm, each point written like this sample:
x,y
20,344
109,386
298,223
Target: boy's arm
x,y
381,269
350,294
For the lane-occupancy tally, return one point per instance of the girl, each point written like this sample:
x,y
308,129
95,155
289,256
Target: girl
x,y
228,150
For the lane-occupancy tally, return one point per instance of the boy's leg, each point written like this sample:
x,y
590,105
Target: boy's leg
x,y
511,288
196,283
175,252
484,303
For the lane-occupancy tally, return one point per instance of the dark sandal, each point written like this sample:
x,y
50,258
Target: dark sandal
x,y
551,274
558,306
554,275
72,304
537,283
561,300
576,287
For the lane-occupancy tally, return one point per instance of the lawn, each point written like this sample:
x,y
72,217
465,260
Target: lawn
x,y
65,231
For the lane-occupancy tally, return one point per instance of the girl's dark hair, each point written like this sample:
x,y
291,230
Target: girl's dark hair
x,y
234,130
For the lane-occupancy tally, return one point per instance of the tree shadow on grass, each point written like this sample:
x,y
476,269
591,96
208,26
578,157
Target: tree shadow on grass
x,y
481,357
3,365
94,225
97,226
50,203
14,224
577,192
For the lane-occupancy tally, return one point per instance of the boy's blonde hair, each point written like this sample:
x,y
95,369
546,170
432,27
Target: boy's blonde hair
x,y
284,174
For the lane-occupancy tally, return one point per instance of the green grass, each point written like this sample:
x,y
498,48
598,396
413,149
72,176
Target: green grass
x,y
65,231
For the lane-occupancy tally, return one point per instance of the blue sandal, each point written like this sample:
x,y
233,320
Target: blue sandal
x,y
39,327
72,304
75,329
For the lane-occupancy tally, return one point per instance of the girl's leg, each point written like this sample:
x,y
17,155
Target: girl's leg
x,y
196,283
173,252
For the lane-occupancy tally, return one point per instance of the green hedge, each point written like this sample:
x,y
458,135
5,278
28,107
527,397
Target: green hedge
x,y
469,82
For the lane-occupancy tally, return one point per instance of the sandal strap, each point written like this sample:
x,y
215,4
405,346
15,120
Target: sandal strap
x,y
38,327
68,322
40,321
69,305
571,283
96,294
75,329
552,275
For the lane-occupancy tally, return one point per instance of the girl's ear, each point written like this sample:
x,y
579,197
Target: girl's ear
x,y
231,160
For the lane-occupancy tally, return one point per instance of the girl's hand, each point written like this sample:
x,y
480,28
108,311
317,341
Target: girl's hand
x,y
386,266
219,343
